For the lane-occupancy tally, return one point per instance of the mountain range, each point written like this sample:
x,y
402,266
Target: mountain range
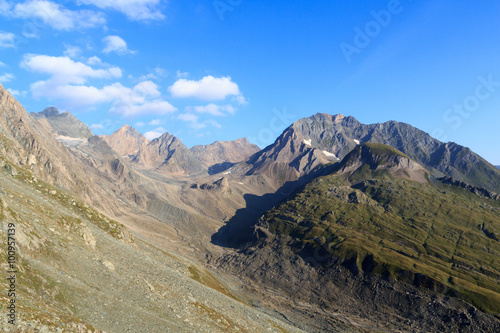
x,y
336,226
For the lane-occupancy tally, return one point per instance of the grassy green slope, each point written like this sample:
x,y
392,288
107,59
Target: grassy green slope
x,y
433,236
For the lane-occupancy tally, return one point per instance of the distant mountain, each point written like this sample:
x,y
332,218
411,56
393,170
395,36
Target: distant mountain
x,y
64,124
221,155
498,166
168,155
379,236
126,140
312,141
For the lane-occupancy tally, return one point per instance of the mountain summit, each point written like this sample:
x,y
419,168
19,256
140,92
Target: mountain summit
x,y
64,124
126,140
320,138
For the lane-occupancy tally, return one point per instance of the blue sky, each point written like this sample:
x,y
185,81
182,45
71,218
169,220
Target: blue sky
x,y
221,70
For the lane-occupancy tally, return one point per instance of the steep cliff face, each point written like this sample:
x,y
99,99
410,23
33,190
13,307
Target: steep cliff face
x,y
29,144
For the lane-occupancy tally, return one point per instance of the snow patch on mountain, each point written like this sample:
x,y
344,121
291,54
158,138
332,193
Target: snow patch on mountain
x,y
328,154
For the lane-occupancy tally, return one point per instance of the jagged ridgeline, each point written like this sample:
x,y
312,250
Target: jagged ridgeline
x,y
380,213
324,138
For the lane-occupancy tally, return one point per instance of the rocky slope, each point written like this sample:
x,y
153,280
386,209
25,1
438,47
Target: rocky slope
x,y
379,238
80,271
80,268
473,189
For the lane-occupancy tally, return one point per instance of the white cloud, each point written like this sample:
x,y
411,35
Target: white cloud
x,y
158,107
15,92
139,124
96,126
7,77
2,64
57,16
96,61
153,134
115,44
147,88
240,100
4,6
72,51
156,73
188,117
213,109
182,75
136,10
67,82
209,88
213,123
6,39
125,101
65,70
155,122
192,121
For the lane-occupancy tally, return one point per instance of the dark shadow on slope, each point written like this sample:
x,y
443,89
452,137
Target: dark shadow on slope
x,y
219,167
239,229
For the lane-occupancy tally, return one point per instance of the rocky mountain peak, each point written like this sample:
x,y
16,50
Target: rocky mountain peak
x,y
50,111
127,131
338,118
166,137
64,124
126,140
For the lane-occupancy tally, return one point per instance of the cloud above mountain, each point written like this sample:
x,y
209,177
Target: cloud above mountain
x,y
209,88
68,82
